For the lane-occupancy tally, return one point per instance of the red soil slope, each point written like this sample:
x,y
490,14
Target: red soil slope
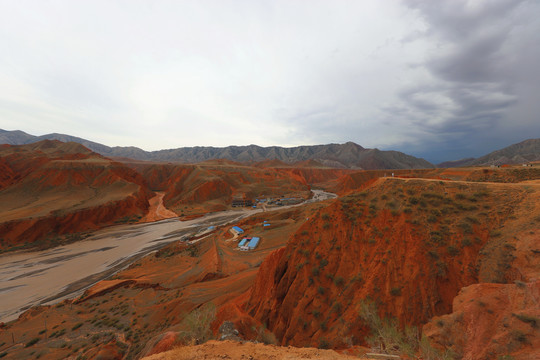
x,y
210,186
53,188
408,245
359,180
491,320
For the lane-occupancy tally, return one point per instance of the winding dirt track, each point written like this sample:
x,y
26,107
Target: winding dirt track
x,y
522,183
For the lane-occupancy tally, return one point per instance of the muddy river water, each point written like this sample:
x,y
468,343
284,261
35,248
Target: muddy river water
x,y
42,277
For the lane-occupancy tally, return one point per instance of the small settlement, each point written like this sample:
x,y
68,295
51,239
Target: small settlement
x,y
244,201
247,242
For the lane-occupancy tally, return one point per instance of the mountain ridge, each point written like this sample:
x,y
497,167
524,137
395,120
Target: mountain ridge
x,y
347,155
519,153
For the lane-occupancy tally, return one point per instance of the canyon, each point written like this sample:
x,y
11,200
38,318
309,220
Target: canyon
x,y
451,254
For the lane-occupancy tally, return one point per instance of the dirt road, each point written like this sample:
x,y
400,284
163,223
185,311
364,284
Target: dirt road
x,y
522,183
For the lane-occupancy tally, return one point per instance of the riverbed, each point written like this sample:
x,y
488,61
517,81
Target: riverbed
x,y
43,277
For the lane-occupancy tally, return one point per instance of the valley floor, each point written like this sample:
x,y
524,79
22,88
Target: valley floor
x,y
43,277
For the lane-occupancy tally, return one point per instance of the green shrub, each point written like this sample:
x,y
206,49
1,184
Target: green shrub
x,y
452,250
324,344
324,325
531,320
265,336
31,342
339,281
520,336
395,291
324,262
466,227
385,334
387,338
337,307
472,220
197,324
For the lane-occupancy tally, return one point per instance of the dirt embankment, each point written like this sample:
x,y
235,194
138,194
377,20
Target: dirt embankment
x,y
54,189
359,180
47,230
489,321
240,351
500,316
313,175
410,246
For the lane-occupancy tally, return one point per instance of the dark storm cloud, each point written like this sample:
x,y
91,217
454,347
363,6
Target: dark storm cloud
x,y
435,78
474,67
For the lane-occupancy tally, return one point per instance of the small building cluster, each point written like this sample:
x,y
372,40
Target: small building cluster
x,y
279,201
249,243
241,201
236,230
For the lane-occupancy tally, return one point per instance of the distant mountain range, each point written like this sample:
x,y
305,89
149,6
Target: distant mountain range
x,y
348,155
520,153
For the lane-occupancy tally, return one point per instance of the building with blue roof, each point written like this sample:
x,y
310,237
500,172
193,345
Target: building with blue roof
x,y
253,243
237,230
243,242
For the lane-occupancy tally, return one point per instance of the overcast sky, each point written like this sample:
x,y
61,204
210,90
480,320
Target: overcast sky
x,y
438,79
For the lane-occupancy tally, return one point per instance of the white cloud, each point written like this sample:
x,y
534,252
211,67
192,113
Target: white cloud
x,y
169,74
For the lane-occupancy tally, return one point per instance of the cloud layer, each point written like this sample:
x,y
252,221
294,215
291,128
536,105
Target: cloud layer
x,y
442,80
